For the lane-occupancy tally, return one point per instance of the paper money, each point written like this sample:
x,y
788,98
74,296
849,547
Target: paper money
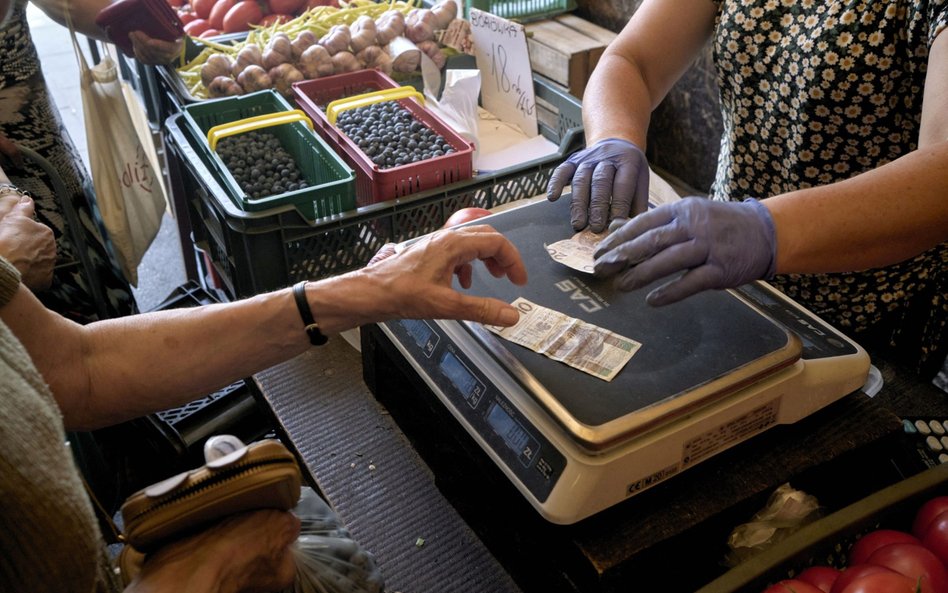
x,y
581,345
577,251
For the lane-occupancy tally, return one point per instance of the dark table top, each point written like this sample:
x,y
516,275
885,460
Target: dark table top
x,y
431,530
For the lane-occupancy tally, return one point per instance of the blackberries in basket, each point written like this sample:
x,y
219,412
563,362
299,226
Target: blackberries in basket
x,y
260,164
390,135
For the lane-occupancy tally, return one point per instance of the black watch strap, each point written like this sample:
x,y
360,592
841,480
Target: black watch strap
x,y
316,337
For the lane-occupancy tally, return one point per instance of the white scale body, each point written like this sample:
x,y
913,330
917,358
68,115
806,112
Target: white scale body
x,y
531,416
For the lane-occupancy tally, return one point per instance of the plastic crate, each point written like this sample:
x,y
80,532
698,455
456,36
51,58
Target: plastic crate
x,y
374,184
332,182
253,252
520,10
827,541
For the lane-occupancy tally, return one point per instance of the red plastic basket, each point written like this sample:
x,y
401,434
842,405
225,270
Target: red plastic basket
x,y
374,184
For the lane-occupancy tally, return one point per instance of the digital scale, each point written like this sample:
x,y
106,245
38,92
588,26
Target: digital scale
x,y
713,371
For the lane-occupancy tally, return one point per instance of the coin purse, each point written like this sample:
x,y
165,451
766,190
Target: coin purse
x,y
262,475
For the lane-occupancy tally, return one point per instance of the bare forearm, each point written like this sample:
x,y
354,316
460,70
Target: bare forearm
x,y
881,217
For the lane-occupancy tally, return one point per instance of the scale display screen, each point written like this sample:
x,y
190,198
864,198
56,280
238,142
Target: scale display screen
x,y
462,378
514,435
424,335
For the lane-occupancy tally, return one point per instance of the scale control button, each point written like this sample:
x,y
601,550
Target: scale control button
x,y
908,427
937,428
943,458
934,444
544,468
944,441
923,427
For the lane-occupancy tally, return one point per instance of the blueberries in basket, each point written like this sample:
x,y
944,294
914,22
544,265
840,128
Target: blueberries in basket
x,y
390,136
260,164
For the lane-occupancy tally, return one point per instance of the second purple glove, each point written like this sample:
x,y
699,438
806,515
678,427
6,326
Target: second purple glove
x,y
716,244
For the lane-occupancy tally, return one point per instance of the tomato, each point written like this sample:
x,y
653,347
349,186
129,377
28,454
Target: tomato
x,y
882,582
209,33
466,215
202,8
186,16
821,577
274,18
314,3
217,13
852,573
936,537
242,15
792,586
927,513
285,6
176,4
196,27
916,562
874,540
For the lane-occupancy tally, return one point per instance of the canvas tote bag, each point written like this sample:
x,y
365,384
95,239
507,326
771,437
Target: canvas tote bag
x,y
128,186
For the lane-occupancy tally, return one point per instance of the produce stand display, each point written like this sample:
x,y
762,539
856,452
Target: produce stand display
x,y
332,183
827,541
373,183
252,252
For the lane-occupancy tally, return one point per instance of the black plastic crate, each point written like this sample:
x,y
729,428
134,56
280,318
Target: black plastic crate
x,y
254,252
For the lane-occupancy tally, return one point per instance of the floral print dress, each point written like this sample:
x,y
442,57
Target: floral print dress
x,y
817,91
29,118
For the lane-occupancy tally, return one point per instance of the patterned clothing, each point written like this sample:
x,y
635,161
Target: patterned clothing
x,y
815,92
29,118
51,540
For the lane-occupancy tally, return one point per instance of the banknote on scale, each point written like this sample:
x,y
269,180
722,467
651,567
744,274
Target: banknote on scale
x,y
581,345
577,251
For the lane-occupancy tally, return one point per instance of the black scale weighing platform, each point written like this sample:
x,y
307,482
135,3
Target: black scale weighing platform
x,y
713,371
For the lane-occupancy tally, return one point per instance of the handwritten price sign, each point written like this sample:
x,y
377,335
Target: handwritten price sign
x,y
500,48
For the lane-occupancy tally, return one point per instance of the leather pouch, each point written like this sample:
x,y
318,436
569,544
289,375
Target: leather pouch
x,y
262,475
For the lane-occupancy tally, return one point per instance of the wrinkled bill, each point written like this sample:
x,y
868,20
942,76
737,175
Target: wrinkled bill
x,y
581,345
577,251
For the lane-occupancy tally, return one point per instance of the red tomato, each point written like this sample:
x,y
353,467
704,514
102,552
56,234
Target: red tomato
x,y
936,537
792,586
927,513
874,540
175,3
196,27
274,18
853,573
285,6
186,16
883,582
821,577
465,215
314,3
202,8
209,33
217,13
916,562
242,15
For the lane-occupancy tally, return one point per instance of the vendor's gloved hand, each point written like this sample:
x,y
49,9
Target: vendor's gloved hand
x,y
609,180
718,244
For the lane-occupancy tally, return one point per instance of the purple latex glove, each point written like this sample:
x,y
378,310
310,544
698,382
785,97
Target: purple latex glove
x,y
716,244
609,180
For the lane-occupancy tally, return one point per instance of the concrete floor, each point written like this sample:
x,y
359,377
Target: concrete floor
x,y
162,268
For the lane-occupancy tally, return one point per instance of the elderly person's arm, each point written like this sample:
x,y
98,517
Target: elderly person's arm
x,y
112,370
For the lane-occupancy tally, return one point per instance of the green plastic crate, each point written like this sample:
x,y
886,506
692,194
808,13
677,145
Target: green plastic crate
x,y
331,182
520,10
